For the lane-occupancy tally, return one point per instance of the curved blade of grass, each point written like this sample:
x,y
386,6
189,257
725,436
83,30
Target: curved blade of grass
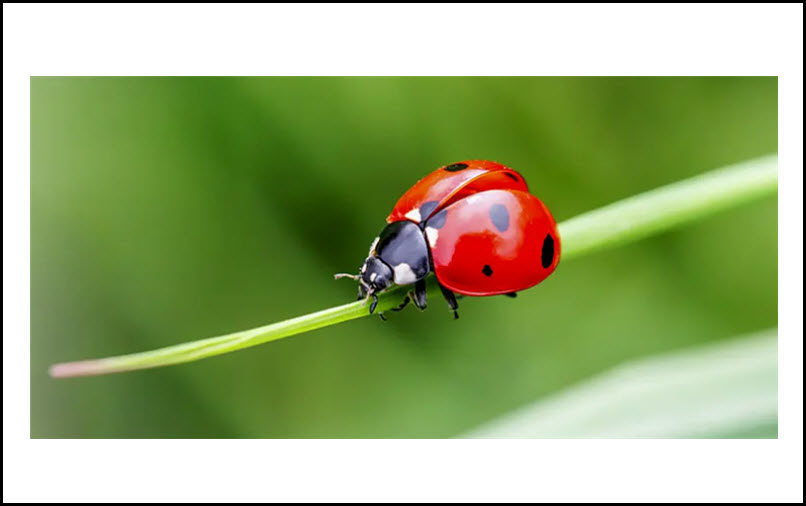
x,y
212,346
669,206
627,220
724,389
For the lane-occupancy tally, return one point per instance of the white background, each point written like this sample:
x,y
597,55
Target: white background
x,y
401,39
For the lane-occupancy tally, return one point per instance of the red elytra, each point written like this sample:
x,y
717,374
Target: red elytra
x,y
486,234
451,183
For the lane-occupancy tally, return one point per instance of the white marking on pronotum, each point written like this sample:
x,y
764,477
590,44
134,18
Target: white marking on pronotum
x,y
404,275
372,247
414,215
363,268
433,235
372,277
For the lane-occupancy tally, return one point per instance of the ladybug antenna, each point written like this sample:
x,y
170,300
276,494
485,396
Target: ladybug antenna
x,y
354,277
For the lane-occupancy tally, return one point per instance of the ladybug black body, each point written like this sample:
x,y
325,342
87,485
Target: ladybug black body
x,y
400,256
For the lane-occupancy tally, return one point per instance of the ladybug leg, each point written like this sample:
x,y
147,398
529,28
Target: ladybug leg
x,y
451,299
511,295
398,308
374,303
419,295
403,304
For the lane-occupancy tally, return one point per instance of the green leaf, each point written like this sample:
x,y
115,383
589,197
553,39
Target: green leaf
x,y
627,220
728,389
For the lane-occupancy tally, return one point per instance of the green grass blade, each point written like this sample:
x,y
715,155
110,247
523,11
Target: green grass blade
x,y
669,206
726,389
196,350
627,220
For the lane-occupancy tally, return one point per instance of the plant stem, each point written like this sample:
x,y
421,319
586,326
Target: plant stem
x,y
669,206
627,220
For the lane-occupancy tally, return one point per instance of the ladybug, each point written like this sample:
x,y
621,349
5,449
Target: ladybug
x,y
475,225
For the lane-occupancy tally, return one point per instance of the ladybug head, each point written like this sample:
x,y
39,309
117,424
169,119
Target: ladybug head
x,y
375,276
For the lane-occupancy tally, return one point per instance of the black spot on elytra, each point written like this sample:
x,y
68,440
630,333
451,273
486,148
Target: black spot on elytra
x,y
456,167
547,255
511,176
487,271
500,217
438,220
427,208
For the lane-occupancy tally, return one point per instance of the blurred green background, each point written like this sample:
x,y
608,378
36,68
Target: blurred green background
x,y
169,209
